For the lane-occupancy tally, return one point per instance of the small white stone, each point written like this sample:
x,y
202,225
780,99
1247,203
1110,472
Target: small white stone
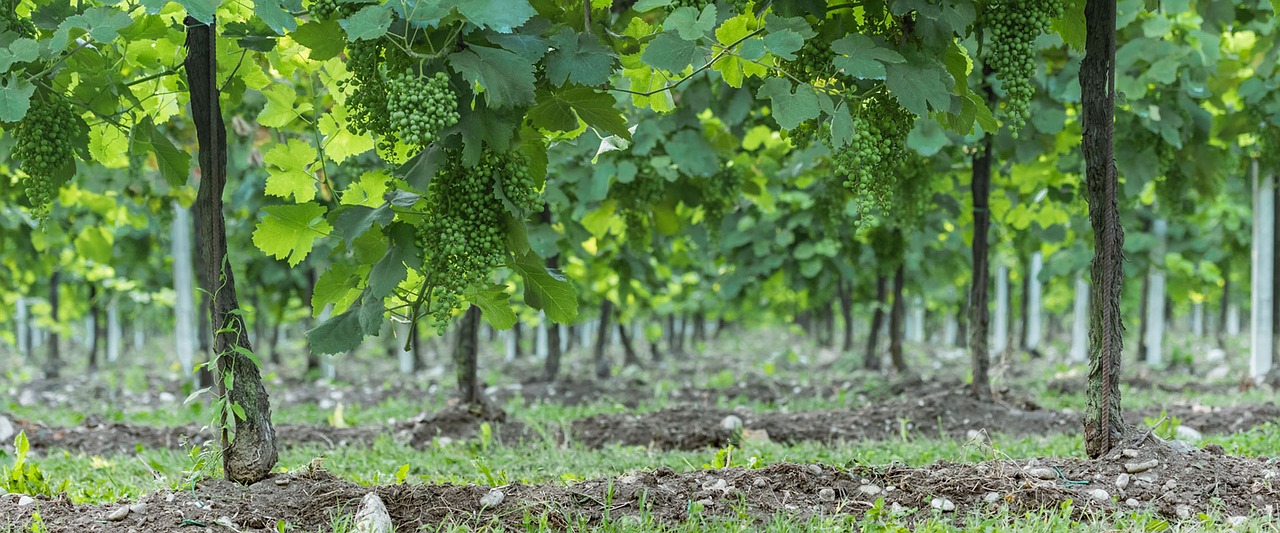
x,y
119,514
1134,468
1132,502
282,481
991,497
493,498
168,498
1188,434
1147,477
1122,481
815,470
138,508
942,504
706,502
1043,473
827,494
629,479
869,490
1129,453
731,423
6,431
1100,495
1183,511
24,501
1237,521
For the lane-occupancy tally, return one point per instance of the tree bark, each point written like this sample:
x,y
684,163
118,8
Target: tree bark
x,y
979,317
871,358
551,367
95,315
465,362
1024,305
602,340
629,357
1103,425
699,327
1221,329
251,455
896,316
204,331
53,366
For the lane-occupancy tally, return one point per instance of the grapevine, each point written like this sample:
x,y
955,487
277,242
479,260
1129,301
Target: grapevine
x,y
43,141
637,198
1014,26
421,109
17,24
462,236
879,143
812,62
392,101
912,193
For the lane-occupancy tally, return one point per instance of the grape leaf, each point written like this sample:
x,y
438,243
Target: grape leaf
x,y
494,306
339,285
690,150
485,126
419,169
102,24
527,43
919,84
1070,26
288,174
733,69
290,231
578,58
371,22
388,272
15,98
860,57
789,108
280,109
368,190
319,37
927,137
94,243
506,77
346,330
275,17
502,16
21,50
560,111
352,221
649,5
547,289
691,24
669,52
842,128
201,10
174,164
783,44
339,142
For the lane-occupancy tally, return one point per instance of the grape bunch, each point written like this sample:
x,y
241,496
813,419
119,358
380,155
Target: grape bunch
x,y
878,147
462,236
637,198
1173,186
696,4
1014,26
42,142
912,192
332,9
14,23
812,62
720,192
420,108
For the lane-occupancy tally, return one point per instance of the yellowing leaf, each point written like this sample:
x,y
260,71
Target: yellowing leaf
x,y
288,174
290,231
339,143
280,109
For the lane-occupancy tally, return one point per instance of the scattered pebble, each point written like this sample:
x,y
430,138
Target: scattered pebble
x,y
282,481
629,479
1043,473
1122,481
1183,511
493,498
1134,468
991,497
1170,485
1237,521
715,484
1188,433
6,430
760,483
119,514
1129,453
827,494
706,502
869,490
138,508
1100,495
815,470
372,516
1147,477
731,423
1132,502
1182,446
942,504
24,501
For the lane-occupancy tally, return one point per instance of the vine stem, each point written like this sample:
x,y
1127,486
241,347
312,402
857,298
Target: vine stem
x,y
719,55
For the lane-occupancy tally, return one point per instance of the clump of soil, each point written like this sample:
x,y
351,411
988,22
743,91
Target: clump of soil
x,y
1175,484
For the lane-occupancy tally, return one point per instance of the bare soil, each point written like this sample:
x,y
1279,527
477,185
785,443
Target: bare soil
x,y
98,437
1179,486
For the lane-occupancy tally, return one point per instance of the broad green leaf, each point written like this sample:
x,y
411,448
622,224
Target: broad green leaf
x,y
649,5
280,110
494,306
690,23
339,285
201,10
665,219
669,52
21,50
15,98
368,190
783,44
339,142
109,146
598,221
174,164
527,43
95,244
371,22
919,84
506,77
1071,25
290,231
419,169
352,221
346,330
102,24
483,126
391,270
842,128
644,79
546,289
578,58
733,69
502,16
690,151
561,110
288,174
927,137
322,38
275,17
790,108
860,57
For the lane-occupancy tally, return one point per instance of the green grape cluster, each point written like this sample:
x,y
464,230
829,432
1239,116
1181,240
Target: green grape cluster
x,y
742,6
42,142
332,9
880,131
812,62
1173,185
1014,26
421,107
15,23
808,131
637,198
720,192
462,236
887,244
912,193
696,4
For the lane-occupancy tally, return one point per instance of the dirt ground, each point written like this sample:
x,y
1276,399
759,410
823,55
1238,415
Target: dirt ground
x,y
1176,484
